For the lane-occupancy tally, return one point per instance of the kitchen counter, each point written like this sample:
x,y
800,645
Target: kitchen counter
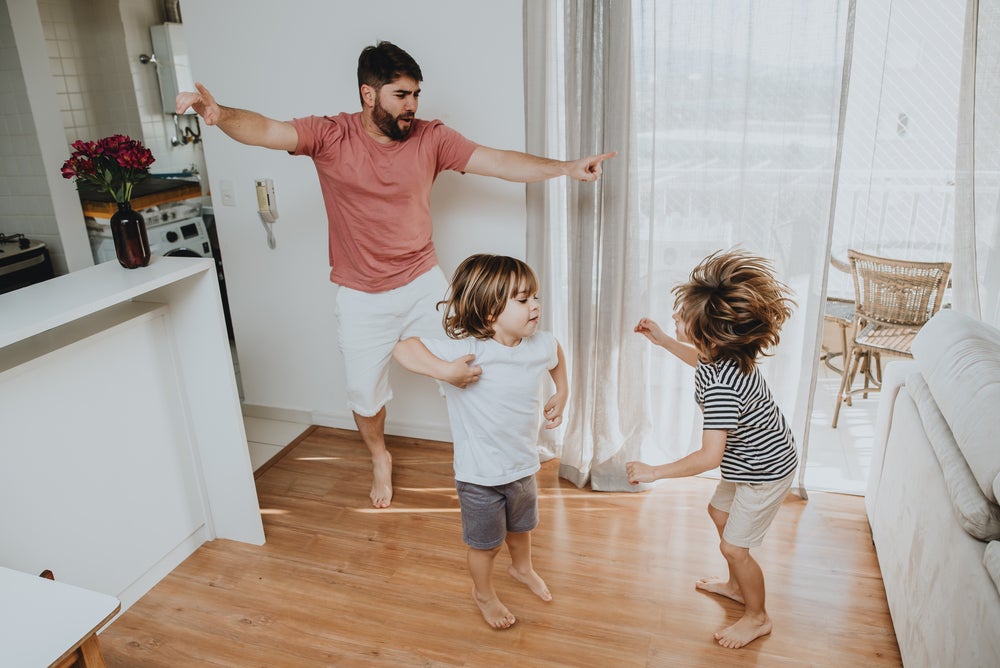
x,y
149,192
64,299
123,445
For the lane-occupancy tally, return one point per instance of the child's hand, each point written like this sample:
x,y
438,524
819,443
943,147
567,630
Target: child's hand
x,y
638,472
651,331
554,409
461,372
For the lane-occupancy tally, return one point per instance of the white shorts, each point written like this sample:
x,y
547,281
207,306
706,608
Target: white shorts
x,y
370,324
751,507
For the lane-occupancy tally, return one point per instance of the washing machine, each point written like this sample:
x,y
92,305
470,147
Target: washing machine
x,y
183,238
175,229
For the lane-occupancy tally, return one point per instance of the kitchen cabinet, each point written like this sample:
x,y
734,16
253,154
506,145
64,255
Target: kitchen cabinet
x,y
123,446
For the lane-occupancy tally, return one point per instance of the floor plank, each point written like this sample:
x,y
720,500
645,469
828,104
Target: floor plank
x,y
341,584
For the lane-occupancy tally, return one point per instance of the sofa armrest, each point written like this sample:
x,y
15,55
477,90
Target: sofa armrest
x,y
893,378
991,559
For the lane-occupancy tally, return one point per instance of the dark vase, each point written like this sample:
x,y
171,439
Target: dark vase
x,y
128,229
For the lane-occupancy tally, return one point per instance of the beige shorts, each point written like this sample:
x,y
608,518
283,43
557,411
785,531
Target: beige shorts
x,y
751,507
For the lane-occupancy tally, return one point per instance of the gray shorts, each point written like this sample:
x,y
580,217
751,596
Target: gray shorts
x,y
488,513
751,507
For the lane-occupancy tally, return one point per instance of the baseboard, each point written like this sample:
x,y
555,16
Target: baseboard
x,y
278,456
162,568
275,413
426,431
392,427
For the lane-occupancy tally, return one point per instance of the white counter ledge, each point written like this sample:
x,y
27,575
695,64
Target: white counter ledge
x,y
122,441
36,308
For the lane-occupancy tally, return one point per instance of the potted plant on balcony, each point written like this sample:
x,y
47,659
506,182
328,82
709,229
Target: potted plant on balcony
x,y
115,164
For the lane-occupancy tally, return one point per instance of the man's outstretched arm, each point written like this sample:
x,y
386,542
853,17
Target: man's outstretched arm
x,y
528,168
246,127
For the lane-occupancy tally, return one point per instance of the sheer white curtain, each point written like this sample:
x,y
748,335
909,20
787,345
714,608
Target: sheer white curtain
x,y
977,184
725,116
896,196
920,177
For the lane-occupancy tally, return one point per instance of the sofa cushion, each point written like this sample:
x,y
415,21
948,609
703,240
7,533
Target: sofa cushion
x,y
977,515
991,559
959,357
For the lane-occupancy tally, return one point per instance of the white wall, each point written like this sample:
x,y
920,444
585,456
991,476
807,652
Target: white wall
x,y
299,58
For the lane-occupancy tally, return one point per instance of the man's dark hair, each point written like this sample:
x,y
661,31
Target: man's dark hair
x,y
383,63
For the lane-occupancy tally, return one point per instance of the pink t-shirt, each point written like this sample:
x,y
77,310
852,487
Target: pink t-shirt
x,y
378,196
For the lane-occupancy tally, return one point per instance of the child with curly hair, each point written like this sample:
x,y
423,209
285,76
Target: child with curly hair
x,y
728,313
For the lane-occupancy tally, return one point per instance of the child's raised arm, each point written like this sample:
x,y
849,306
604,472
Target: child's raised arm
x,y
685,352
553,409
413,355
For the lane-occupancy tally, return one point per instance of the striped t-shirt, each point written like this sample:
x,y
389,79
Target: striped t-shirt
x,y
759,446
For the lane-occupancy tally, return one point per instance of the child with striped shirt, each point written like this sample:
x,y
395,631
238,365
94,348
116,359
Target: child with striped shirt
x,y
728,313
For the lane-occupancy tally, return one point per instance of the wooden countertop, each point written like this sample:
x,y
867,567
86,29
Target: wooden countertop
x,y
171,191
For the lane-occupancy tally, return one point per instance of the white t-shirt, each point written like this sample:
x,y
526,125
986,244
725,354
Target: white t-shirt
x,y
495,421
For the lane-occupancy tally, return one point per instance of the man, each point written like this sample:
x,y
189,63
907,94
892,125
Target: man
x,y
376,169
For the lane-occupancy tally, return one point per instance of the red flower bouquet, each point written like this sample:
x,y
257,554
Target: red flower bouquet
x,y
113,164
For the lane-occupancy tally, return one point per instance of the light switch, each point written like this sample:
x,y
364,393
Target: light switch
x,y
228,192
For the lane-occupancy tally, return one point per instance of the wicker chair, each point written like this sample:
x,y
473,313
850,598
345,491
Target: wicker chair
x,y
892,301
840,312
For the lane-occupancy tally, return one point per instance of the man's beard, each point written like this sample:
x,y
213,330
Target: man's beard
x,y
389,124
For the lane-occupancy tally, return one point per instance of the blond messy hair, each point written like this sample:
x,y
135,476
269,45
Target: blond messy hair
x,y
479,291
733,307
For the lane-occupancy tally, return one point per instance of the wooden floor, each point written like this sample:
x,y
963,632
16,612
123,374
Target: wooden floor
x,y
341,584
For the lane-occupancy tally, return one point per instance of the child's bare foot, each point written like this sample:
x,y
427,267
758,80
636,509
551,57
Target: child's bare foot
x,y
533,581
382,481
721,587
744,632
494,612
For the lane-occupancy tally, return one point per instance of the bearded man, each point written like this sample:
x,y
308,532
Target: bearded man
x,y
376,168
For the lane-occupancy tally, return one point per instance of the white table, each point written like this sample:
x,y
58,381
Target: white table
x,y
43,621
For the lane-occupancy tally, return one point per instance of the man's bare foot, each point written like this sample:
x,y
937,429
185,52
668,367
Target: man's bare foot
x,y
744,632
721,587
494,612
533,581
381,481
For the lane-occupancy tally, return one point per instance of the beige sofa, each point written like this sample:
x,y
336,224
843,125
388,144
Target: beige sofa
x,y
932,494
